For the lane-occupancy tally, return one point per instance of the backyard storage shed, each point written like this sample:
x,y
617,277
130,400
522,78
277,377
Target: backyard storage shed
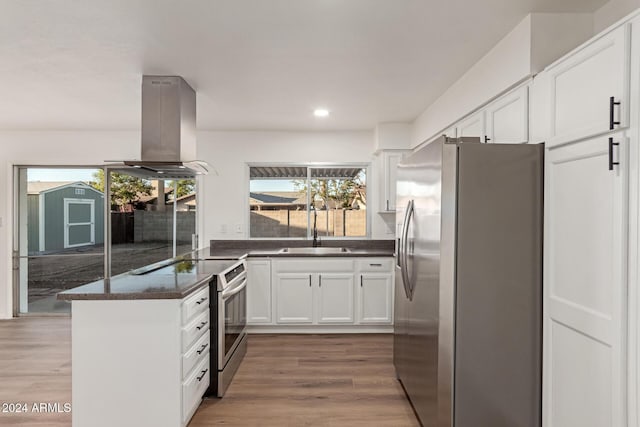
x,y
64,215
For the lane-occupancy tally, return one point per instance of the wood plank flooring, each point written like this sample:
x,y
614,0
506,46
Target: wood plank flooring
x,y
35,367
312,380
284,380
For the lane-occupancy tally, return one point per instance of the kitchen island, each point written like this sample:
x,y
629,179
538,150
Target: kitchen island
x,y
141,347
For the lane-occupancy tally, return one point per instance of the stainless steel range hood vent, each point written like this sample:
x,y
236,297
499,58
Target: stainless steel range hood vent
x,y
168,130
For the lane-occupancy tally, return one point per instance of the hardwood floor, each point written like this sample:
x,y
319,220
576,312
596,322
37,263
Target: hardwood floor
x,y
312,380
284,380
35,367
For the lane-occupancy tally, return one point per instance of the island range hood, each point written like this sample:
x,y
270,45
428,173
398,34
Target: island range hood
x,y
168,131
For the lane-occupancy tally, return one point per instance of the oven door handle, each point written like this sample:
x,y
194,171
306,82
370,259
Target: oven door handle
x,y
228,294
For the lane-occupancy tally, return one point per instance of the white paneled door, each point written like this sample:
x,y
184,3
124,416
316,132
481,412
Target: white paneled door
x,y
585,284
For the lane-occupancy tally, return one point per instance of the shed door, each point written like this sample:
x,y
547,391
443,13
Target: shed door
x,y
79,222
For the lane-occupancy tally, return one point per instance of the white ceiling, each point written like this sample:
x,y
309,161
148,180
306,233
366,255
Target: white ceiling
x,y
255,64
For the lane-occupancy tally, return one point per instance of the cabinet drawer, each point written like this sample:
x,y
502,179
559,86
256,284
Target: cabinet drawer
x,y
195,330
193,389
195,304
314,265
383,265
196,353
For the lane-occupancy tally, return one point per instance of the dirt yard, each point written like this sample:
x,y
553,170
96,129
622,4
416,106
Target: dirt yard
x,y
54,273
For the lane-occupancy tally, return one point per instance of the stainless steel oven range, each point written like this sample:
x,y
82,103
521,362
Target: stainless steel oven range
x,y
229,316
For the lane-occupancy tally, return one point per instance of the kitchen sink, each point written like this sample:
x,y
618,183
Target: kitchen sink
x,y
314,251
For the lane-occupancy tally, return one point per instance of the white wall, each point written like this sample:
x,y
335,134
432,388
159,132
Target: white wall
x,y
612,11
534,43
49,148
504,65
224,198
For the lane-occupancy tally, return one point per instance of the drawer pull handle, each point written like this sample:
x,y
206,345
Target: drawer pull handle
x,y
202,349
202,325
203,374
361,279
375,265
201,301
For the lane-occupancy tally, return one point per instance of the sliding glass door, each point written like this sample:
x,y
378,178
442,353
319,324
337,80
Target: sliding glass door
x,y
59,240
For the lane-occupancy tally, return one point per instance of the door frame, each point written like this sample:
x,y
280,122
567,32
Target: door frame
x,y
67,224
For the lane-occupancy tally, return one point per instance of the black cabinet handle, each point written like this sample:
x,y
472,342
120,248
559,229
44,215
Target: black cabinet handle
x,y
320,280
202,325
361,280
611,162
202,349
375,265
387,205
612,121
309,280
201,301
203,374
486,139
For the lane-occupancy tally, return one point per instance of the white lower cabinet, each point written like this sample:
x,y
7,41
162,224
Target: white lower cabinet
x,y
139,362
335,298
259,291
375,298
323,291
294,299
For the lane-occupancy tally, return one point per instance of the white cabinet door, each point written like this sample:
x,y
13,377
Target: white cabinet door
x,y
582,85
375,298
295,298
508,118
335,298
472,126
390,160
258,291
585,284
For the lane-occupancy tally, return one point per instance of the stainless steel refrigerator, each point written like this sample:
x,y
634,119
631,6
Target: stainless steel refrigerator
x,y
468,302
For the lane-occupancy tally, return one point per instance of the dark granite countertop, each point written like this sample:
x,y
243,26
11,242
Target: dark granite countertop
x,y
176,286
174,281
238,249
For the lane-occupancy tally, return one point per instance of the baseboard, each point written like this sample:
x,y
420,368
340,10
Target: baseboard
x,y
324,329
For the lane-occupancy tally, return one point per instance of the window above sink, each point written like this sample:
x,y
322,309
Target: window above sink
x,y
286,201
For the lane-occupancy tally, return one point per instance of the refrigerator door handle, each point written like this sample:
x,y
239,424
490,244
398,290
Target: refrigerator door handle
x,y
408,289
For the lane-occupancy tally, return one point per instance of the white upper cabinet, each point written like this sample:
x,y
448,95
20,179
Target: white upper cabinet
x,y
472,126
389,163
589,89
508,118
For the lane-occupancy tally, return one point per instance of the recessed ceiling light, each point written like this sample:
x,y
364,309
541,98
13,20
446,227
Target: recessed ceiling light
x,y
321,112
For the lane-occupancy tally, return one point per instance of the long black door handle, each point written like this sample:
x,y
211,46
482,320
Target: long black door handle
x,y
612,105
611,162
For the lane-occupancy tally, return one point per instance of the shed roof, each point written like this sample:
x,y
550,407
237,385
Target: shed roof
x,y
37,187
